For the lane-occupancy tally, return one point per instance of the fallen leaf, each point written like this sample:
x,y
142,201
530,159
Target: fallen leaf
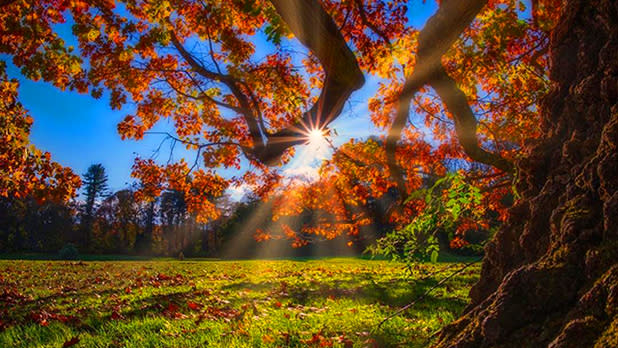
x,y
116,316
194,306
268,339
73,341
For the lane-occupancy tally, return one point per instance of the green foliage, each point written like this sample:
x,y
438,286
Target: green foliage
x,y
276,29
260,303
68,252
415,242
448,201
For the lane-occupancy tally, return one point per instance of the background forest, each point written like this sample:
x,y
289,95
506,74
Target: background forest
x,y
105,222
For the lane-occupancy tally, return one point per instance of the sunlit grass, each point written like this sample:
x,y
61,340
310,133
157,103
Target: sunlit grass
x,y
224,303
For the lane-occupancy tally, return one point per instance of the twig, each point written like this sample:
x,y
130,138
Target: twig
x,y
418,299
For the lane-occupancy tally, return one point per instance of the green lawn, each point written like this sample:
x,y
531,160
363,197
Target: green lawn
x,y
261,303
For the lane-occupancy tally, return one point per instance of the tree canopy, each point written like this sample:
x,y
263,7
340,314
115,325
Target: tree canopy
x,y
244,81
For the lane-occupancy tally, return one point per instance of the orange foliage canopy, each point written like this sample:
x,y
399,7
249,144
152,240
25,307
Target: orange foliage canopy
x,y
195,63
24,169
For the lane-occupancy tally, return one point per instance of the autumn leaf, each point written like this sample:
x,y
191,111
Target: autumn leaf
x,y
267,339
116,316
172,307
194,306
73,341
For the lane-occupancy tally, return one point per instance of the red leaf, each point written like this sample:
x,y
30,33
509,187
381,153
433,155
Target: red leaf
x,y
194,306
162,276
73,341
116,316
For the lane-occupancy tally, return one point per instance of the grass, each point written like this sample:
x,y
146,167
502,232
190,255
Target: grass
x,y
259,303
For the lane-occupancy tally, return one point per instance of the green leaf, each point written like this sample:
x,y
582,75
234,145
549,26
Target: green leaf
x,y
434,257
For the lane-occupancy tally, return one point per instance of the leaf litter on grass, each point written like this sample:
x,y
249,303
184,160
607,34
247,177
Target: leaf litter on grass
x,y
321,303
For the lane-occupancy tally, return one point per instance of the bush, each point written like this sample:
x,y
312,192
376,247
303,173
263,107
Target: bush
x,y
470,250
68,252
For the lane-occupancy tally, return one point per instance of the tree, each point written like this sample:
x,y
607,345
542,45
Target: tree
x,y
474,76
174,216
118,222
550,275
26,224
143,241
95,187
227,104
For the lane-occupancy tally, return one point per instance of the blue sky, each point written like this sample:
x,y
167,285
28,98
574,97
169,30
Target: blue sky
x,y
79,130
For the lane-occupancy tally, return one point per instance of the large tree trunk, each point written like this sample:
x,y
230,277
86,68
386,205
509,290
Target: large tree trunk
x,y
550,277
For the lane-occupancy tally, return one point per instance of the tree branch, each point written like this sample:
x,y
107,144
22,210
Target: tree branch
x,y
465,122
365,20
232,83
197,145
317,31
439,33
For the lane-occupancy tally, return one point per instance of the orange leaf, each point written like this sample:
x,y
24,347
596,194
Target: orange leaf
x,y
194,306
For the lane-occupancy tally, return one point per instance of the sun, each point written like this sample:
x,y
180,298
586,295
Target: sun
x,y
317,143
316,136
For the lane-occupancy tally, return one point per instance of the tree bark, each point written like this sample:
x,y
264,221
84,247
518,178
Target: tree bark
x,y
550,277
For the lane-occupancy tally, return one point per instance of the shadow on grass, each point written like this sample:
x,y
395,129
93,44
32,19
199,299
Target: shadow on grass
x,y
389,293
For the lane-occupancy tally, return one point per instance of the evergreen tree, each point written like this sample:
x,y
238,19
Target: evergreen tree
x,y
95,186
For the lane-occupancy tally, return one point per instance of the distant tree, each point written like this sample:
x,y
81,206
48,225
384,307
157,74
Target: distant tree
x,y
29,225
117,222
95,186
148,212
173,211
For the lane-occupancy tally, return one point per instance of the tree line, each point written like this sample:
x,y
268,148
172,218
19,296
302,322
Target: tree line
x,y
103,221
106,222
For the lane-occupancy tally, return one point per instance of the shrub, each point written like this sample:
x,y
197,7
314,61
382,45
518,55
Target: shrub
x,y
68,252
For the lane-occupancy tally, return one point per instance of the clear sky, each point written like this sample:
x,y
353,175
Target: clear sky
x,y
79,130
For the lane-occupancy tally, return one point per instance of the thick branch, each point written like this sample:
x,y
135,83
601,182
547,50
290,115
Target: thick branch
x,y
197,67
465,122
315,29
233,84
440,32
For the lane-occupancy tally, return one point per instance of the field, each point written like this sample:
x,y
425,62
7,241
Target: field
x,y
322,303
